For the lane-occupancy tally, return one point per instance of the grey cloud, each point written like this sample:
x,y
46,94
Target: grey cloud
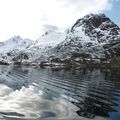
x,y
47,27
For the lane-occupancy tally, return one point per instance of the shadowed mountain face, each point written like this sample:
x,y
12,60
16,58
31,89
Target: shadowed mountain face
x,y
93,38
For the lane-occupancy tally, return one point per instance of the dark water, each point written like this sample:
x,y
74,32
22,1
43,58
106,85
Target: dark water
x,y
29,93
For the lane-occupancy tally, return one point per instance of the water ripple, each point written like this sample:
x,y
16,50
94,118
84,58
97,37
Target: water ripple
x,y
33,93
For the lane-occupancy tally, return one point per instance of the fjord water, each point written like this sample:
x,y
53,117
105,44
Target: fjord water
x,y
33,93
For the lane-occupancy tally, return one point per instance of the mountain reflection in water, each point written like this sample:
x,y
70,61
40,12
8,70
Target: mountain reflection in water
x,y
55,94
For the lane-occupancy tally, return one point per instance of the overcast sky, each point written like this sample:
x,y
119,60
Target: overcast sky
x,y
31,18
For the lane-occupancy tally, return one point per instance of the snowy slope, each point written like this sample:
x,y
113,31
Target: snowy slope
x,y
50,38
15,42
46,42
12,47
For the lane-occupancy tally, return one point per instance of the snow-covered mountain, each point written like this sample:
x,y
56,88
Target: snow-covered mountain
x,y
40,47
12,47
93,37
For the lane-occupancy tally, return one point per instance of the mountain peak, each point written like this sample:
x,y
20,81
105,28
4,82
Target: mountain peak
x,y
47,32
102,15
91,23
93,20
17,37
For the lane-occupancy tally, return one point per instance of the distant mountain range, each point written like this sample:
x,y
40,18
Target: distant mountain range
x,y
92,39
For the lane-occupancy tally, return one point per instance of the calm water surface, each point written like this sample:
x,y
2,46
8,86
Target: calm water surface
x,y
30,93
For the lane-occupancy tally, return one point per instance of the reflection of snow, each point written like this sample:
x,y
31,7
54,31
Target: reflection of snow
x,y
4,90
33,103
22,101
